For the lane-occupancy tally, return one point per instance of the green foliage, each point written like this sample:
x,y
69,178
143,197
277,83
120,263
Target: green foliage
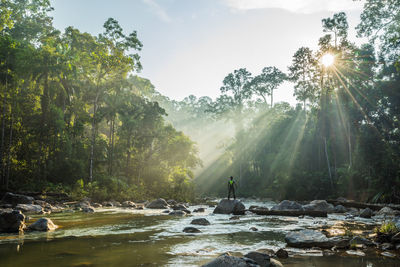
x,y
72,118
387,228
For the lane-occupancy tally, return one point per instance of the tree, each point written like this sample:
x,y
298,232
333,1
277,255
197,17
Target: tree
x,y
266,82
337,25
303,73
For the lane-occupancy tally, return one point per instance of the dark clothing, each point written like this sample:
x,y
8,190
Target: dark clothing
x,y
231,188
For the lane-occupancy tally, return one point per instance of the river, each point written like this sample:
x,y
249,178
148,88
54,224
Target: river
x,y
127,237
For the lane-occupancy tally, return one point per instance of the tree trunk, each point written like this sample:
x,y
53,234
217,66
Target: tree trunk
x,y
272,98
128,155
3,126
93,141
349,145
9,151
327,161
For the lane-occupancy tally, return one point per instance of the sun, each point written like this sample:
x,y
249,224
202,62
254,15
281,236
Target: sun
x,y
327,60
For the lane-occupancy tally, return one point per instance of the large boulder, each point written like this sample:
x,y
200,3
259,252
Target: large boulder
x,y
313,238
43,224
226,260
319,205
262,259
227,206
200,221
12,221
366,213
288,205
29,208
15,199
158,204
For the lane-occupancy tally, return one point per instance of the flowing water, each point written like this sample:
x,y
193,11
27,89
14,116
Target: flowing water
x,y
125,237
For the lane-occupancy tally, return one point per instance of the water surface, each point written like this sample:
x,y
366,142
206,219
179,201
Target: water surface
x,y
125,237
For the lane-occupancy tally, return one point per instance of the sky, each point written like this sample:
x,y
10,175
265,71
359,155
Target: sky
x,y
189,46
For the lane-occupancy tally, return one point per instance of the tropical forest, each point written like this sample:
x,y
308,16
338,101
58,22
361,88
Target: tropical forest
x,y
200,133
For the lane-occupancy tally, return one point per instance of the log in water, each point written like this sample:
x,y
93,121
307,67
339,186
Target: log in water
x,y
295,213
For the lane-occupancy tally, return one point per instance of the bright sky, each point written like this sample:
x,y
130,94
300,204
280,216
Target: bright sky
x,y
191,45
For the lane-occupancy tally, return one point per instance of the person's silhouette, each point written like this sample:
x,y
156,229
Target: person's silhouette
x,y
231,188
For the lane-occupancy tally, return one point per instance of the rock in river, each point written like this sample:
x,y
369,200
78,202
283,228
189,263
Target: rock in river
x,y
200,210
15,199
282,254
226,206
191,230
177,213
12,221
261,259
29,208
387,211
366,213
226,260
319,205
288,205
200,221
43,224
128,204
158,204
313,238
340,209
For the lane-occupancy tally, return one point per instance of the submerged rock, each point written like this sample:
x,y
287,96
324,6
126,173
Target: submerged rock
x,y
200,221
177,213
226,260
158,204
254,229
43,224
227,206
14,199
191,230
262,259
288,205
319,205
12,221
29,208
313,238
366,213
97,205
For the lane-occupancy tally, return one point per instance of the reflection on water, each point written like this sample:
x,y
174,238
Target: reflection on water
x,y
123,237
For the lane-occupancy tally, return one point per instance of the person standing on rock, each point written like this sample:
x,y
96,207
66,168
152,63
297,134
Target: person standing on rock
x,y
231,188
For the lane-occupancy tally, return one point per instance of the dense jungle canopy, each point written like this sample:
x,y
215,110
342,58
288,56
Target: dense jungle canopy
x,y
76,116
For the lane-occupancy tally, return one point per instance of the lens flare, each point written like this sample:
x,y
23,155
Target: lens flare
x,y
327,60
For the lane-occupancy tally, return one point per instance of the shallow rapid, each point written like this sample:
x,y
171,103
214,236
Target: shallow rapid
x,y
128,237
